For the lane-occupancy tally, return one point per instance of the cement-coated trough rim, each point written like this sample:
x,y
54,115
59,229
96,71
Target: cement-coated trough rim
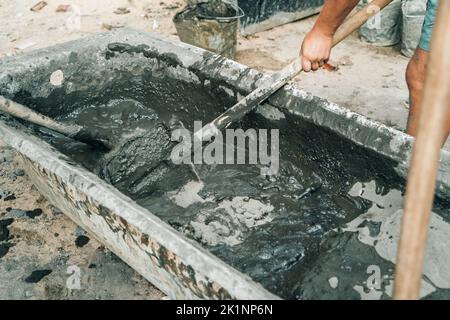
x,y
384,140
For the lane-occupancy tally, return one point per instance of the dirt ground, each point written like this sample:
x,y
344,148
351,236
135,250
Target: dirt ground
x,y
41,247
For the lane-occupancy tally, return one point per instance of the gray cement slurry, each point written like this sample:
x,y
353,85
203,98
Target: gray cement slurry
x,y
297,233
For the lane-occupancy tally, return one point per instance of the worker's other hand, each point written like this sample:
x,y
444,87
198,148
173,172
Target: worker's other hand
x,y
315,50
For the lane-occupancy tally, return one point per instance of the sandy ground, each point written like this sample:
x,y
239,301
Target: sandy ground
x,y
44,255
369,80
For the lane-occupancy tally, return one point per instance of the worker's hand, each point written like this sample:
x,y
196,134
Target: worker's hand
x,y
315,50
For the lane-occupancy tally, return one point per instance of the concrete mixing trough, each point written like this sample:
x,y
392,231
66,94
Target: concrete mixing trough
x,y
174,263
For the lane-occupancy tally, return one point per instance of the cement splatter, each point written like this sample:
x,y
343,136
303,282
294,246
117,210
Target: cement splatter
x,y
387,212
81,241
4,232
230,220
188,194
4,249
34,213
9,197
37,275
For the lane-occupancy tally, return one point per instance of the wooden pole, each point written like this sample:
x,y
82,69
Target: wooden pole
x,y
356,20
19,111
70,130
425,160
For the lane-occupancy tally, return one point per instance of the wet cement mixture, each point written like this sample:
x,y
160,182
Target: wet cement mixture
x,y
299,233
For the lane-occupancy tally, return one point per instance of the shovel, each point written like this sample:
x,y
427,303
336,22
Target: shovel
x,y
279,79
123,159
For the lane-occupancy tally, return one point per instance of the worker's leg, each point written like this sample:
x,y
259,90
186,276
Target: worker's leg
x,y
415,77
415,73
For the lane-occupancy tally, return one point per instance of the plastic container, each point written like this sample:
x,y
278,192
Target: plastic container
x,y
211,25
384,29
413,17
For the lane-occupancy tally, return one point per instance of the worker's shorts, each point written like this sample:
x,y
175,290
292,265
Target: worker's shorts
x,y
427,29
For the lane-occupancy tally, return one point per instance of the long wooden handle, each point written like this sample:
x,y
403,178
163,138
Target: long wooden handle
x,y
279,79
358,19
73,131
425,160
19,111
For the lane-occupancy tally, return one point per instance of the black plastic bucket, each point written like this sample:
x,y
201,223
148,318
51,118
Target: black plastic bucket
x,y
211,25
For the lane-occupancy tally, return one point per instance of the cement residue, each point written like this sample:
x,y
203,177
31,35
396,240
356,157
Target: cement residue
x,y
134,158
386,212
188,194
227,221
347,259
230,220
270,112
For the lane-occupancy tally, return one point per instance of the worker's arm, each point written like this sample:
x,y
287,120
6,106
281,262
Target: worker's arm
x,y
316,47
